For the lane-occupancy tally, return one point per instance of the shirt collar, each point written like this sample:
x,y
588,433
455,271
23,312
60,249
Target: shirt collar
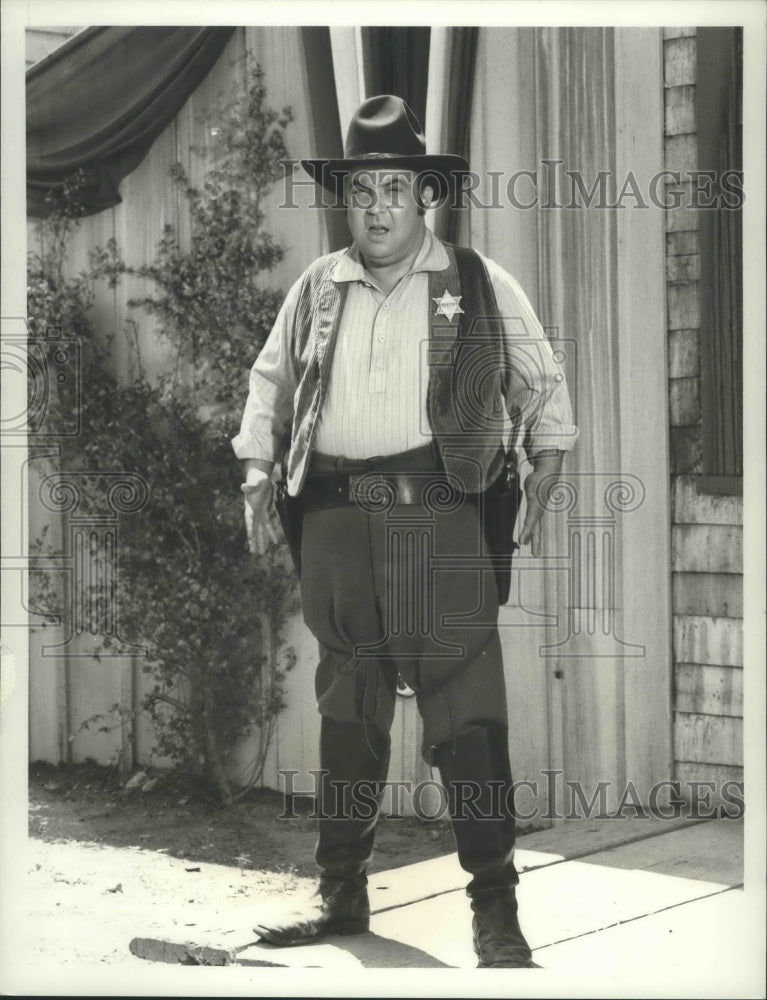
x,y
431,257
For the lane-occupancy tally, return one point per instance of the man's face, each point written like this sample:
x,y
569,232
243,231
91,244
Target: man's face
x,y
383,214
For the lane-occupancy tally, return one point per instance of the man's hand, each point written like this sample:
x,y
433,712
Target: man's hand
x,y
259,500
546,464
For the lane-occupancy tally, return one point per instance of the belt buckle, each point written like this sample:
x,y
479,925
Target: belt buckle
x,y
371,491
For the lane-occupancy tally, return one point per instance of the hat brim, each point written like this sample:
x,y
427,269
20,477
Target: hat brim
x,y
330,174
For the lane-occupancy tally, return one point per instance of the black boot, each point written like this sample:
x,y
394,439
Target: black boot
x,y
498,939
477,777
355,761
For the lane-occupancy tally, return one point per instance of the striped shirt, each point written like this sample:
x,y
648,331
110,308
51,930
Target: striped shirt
x,y
376,399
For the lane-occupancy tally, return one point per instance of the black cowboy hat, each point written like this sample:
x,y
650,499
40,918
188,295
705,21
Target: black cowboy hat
x,y
384,132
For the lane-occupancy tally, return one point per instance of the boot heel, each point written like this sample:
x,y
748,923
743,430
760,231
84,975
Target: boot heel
x,y
356,925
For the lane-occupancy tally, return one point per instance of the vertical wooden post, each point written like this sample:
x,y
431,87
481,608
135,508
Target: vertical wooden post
x,y
643,405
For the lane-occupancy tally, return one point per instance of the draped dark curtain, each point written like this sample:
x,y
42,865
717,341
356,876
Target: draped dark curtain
x,y
718,114
396,61
463,61
323,107
97,103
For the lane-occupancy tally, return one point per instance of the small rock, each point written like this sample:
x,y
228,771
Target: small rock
x,y
51,786
136,781
117,888
149,785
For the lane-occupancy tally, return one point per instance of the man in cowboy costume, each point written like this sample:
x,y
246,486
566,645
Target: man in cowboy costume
x,y
386,388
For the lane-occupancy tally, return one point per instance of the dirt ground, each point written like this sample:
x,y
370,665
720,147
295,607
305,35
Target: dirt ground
x,y
104,865
91,803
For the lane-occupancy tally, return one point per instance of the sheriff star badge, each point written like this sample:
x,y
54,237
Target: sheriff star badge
x,y
448,305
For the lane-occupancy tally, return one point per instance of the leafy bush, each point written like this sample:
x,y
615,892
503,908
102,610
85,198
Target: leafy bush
x,y
212,614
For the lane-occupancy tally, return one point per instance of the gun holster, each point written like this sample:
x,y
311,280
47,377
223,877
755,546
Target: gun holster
x,y
501,503
290,512
500,507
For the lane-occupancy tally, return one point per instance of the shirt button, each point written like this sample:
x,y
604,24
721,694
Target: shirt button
x,y
381,340
386,305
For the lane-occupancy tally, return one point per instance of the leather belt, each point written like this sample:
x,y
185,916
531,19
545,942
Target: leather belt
x,y
379,491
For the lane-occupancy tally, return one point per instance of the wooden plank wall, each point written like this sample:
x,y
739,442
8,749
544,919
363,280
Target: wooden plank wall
x,y
706,532
40,42
66,690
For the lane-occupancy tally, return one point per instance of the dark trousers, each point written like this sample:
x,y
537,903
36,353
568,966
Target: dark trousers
x,y
407,589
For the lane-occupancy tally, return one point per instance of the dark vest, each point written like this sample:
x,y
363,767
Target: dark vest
x,y
467,360
465,398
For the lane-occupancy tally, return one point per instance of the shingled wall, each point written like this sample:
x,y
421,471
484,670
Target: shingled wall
x,y
707,548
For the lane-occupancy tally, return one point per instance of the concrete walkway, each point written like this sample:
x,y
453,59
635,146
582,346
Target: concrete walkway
x,y
640,900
